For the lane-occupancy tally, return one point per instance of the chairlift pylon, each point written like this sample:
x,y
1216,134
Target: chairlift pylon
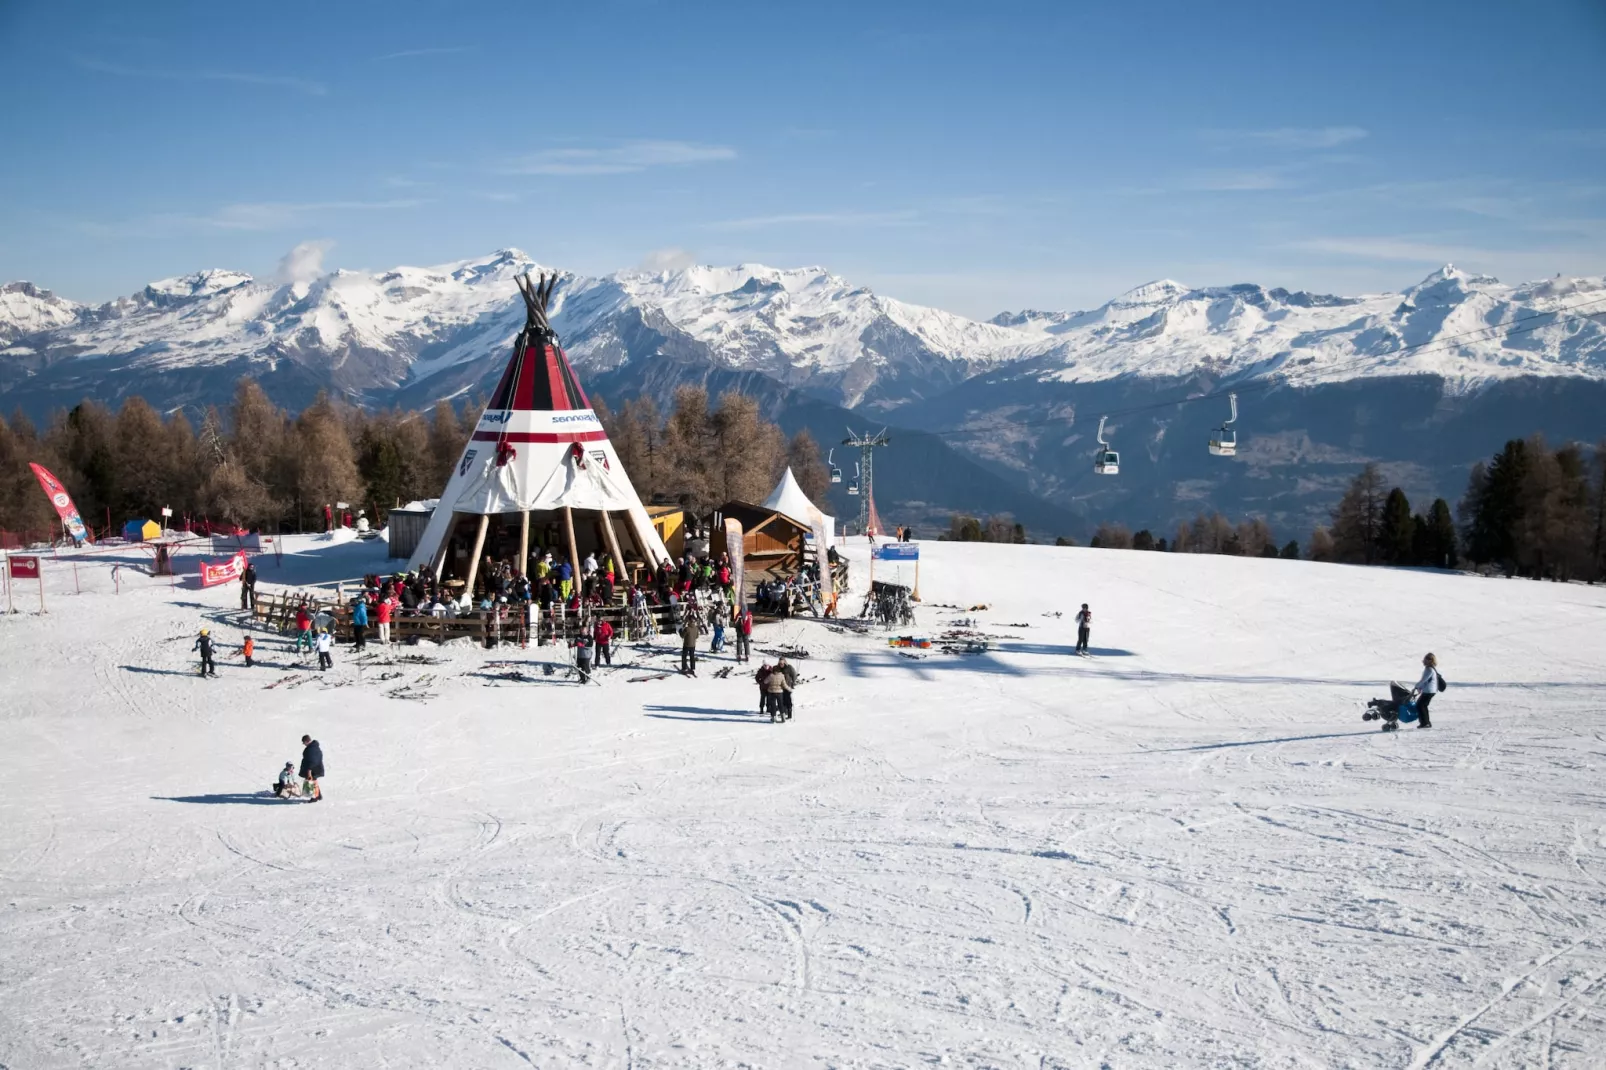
x,y
836,473
1106,462
1224,443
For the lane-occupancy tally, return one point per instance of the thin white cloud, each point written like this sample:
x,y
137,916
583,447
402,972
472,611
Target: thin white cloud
x,y
829,219
670,259
1230,180
244,217
275,81
1396,249
623,158
1293,137
410,53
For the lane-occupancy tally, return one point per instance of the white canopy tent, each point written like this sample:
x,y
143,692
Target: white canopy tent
x,y
788,499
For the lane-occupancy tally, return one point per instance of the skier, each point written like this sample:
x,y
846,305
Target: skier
x,y
582,656
203,643
604,642
1429,685
249,650
326,643
689,631
1084,624
789,673
248,587
311,767
744,634
359,623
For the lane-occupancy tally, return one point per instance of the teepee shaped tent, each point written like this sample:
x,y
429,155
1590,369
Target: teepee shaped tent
x,y
538,456
788,498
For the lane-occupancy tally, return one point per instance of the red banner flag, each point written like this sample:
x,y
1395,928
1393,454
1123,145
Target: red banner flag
x,y
222,572
63,502
23,568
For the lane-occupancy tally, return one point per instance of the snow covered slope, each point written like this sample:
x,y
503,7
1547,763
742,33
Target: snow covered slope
x,y
1186,851
424,333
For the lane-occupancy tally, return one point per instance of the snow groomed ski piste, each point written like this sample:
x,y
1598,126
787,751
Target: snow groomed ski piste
x,y
1185,850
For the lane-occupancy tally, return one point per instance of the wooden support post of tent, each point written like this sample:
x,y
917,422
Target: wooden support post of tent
x,y
643,543
524,543
474,561
574,547
613,548
439,561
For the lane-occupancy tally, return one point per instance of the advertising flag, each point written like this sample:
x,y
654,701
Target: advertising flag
x,y
222,571
63,502
738,554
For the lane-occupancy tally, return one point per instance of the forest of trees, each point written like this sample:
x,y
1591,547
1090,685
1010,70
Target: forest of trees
x,y
1531,511
257,466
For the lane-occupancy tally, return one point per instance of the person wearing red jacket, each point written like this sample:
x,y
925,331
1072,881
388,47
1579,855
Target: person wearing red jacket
x,y
382,614
604,643
744,634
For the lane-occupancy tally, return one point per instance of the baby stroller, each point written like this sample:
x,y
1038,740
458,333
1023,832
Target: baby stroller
x,y
1392,710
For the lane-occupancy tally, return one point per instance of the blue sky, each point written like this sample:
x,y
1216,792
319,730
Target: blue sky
x,y
973,156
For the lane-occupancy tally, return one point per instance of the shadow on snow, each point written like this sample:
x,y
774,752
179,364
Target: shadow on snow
x,y
245,798
704,713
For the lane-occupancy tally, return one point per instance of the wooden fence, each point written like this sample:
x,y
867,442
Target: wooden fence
x,y
277,612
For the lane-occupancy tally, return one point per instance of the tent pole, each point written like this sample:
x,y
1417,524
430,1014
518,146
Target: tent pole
x,y
474,559
643,543
574,547
439,560
613,548
524,542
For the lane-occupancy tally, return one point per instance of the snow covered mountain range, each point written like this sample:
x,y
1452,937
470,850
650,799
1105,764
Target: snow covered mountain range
x,y
1454,344
438,331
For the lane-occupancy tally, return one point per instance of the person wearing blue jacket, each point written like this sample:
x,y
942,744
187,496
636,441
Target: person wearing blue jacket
x,y
359,623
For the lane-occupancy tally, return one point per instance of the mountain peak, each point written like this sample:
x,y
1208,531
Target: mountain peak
x,y
1152,293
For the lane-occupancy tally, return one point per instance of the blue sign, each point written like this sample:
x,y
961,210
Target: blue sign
x,y
898,551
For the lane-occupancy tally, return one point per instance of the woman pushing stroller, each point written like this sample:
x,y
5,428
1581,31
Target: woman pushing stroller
x,y
1408,705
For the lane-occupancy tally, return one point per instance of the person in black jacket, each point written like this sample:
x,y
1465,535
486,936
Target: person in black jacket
x,y
248,587
312,765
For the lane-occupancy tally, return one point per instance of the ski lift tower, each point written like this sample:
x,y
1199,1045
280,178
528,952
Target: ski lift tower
x,y
866,445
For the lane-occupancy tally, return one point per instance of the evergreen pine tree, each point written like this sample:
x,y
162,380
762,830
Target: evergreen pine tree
x,y
1396,530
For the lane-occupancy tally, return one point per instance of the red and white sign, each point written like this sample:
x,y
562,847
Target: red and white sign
x,y
23,568
223,571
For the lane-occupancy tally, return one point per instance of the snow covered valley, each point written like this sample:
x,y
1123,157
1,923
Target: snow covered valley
x,y
1187,850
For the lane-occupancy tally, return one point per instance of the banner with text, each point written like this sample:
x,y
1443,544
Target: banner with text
x,y
222,571
23,568
898,551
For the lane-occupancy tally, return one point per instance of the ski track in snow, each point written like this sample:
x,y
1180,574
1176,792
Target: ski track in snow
x,y
1186,851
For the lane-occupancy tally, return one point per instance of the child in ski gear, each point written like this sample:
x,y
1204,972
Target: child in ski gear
x,y
203,643
1426,688
326,644
1084,624
311,767
248,650
718,645
285,786
605,642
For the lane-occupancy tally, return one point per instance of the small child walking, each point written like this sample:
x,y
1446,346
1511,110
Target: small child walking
x,y
249,649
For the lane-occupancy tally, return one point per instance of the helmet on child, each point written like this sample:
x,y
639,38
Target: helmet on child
x,y
205,631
